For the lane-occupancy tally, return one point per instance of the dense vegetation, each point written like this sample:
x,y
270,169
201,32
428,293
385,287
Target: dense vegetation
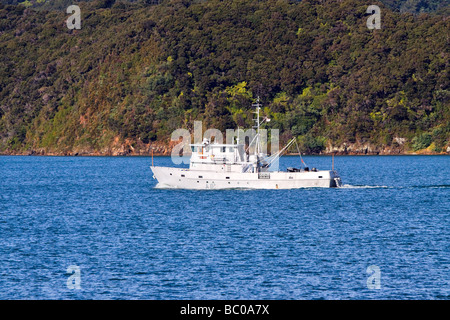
x,y
413,6
135,72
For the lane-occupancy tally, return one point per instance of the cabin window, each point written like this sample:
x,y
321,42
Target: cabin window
x,y
194,149
227,177
207,149
182,175
231,149
223,149
200,177
320,176
170,174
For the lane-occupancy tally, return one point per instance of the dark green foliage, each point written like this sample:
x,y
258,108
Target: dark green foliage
x,y
105,3
311,144
422,141
416,6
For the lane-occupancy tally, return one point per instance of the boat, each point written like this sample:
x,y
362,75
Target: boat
x,y
228,166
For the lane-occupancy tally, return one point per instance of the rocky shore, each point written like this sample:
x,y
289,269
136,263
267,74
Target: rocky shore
x,y
165,149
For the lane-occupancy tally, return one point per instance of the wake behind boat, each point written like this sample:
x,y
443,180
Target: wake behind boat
x,y
228,166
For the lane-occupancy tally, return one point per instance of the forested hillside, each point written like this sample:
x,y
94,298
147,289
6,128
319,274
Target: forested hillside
x,y
134,72
413,6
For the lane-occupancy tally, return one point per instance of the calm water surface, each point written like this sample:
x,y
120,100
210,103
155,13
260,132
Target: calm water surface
x,y
133,241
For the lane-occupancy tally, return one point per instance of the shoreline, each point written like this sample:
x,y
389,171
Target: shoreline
x,y
164,148
146,154
161,149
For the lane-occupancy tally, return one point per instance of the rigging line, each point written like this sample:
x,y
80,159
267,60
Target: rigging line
x,y
250,143
278,154
299,153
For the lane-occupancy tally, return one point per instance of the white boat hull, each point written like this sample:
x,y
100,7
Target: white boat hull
x,y
169,177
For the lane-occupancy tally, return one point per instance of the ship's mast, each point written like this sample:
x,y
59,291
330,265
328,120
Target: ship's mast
x,y
257,106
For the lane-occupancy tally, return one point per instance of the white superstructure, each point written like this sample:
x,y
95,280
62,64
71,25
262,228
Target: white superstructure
x,y
226,166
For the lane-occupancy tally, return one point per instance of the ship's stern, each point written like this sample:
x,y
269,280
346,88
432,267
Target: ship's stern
x,y
335,179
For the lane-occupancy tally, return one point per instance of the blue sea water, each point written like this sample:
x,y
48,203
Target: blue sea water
x,y
133,241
